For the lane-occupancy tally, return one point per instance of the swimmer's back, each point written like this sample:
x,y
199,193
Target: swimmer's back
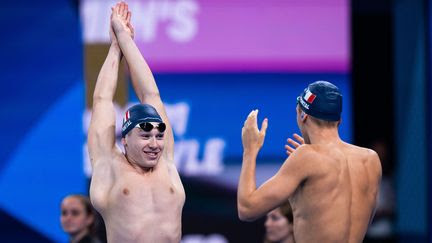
x,y
335,203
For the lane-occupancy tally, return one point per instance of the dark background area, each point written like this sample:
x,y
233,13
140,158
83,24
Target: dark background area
x,y
372,70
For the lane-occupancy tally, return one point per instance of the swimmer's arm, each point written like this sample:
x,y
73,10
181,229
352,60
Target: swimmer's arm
x,y
252,140
101,135
254,202
377,172
144,85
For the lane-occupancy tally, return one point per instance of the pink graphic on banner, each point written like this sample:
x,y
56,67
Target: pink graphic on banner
x,y
237,35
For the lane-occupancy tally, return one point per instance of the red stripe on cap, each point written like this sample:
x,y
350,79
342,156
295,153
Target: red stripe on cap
x,y
311,98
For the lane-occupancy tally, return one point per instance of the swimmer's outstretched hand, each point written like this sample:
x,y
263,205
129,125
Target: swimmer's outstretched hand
x,y
120,19
294,143
252,138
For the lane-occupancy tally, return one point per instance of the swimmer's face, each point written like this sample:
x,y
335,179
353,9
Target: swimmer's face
x,y
144,148
74,218
278,228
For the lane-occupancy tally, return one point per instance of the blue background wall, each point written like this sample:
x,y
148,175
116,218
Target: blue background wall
x,y
42,99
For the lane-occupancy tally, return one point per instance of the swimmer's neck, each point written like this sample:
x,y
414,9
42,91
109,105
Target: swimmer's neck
x,y
143,170
322,136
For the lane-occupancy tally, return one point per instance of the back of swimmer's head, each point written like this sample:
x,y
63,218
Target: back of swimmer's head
x,y
321,100
137,114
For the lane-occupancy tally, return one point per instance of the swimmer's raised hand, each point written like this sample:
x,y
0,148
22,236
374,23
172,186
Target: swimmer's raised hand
x,y
120,19
252,138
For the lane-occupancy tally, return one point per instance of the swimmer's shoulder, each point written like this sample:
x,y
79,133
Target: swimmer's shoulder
x,y
306,150
365,155
361,152
305,154
312,151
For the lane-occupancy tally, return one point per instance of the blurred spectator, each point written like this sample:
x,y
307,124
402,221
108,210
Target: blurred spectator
x,y
381,229
279,225
78,219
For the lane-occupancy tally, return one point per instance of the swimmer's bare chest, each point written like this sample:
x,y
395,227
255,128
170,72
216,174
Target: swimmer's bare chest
x,y
147,207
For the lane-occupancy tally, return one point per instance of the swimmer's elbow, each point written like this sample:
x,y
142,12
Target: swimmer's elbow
x,y
245,213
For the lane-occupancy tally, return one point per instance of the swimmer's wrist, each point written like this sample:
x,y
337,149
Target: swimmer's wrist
x,y
250,151
122,34
115,47
115,44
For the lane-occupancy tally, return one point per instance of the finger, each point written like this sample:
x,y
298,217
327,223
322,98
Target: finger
x,y
254,119
129,25
264,126
125,10
251,113
117,8
121,8
248,118
112,12
289,148
128,17
293,143
298,138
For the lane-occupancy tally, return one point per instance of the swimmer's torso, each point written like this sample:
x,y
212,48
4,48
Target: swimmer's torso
x,y
336,202
140,207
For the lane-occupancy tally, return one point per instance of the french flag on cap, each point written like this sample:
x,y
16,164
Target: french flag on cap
x,y
126,117
309,96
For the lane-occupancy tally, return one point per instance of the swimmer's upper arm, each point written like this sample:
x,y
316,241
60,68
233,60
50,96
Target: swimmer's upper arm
x,y
102,150
277,189
101,135
375,165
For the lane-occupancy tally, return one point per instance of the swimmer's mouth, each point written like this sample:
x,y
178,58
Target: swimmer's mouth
x,y
151,153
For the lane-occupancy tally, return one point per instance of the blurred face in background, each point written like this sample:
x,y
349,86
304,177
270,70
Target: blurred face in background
x,y
74,217
278,227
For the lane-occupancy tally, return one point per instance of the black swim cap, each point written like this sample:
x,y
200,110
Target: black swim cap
x,y
138,114
322,100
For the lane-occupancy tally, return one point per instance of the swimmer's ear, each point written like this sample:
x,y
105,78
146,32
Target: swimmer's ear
x,y
123,140
303,116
